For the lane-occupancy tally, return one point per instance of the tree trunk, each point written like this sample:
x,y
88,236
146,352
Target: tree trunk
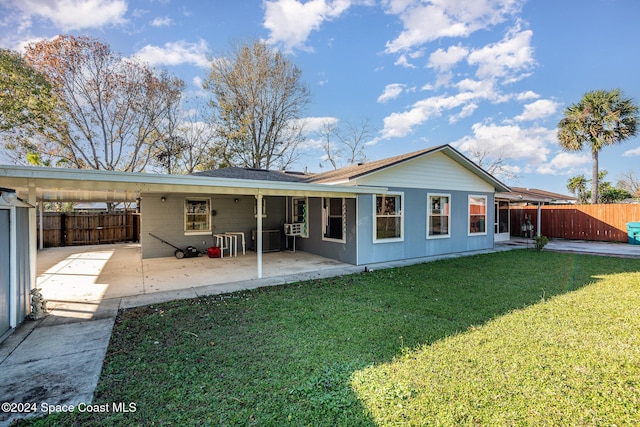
x,y
595,184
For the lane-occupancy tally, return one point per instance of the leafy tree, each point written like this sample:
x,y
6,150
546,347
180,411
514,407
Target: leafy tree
x,y
26,97
601,118
110,109
608,193
258,98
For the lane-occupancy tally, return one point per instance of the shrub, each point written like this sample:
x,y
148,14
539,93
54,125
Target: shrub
x,y
540,242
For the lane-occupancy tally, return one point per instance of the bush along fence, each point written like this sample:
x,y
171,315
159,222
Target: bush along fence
x,y
604,223
68,229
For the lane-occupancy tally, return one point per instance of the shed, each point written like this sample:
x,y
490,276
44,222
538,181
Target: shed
x,y
17,260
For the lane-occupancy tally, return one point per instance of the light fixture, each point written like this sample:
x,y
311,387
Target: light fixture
x,y
163,199
8,195
235,200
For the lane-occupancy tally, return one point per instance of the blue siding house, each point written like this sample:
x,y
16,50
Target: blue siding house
x,y
431,202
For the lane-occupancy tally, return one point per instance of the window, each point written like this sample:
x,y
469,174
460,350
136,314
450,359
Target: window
x,y
477,214
300,214
388,218
197,216
438,212
334,215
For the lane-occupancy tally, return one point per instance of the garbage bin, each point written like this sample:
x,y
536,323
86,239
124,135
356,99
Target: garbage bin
x,y
633,230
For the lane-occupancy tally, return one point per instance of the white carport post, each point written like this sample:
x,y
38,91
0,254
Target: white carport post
x,y
41,238
33,240
539,219
259,232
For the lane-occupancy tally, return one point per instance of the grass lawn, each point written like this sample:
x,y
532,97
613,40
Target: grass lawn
x,y
512,338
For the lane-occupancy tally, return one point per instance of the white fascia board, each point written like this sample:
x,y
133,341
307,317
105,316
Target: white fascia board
x,y
104,181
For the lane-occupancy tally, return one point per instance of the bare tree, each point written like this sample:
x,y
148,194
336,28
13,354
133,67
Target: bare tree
x,y
111,109
630,182
354,138
495,165
258,99
344,145
198,135
327,134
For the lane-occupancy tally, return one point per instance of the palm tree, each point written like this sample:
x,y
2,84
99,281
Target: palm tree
x,y
601,118
578,186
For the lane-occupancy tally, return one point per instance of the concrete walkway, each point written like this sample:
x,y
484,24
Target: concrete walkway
x,y
58,360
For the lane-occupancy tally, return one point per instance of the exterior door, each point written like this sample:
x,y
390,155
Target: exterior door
x,y
501,231
5,272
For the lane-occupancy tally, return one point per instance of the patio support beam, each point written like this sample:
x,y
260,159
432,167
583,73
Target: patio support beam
x,y
33,239
259,232
539,219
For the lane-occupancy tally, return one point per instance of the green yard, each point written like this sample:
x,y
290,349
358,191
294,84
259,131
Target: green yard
x,y
513,338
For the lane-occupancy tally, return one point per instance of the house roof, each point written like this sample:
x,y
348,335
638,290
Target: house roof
x,y
58,184
536,195
74,185
353,172
256,174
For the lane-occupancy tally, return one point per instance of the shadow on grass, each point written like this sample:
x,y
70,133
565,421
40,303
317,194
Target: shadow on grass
x,y
285,355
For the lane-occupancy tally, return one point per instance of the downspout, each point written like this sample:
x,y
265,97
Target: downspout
x,y
259,232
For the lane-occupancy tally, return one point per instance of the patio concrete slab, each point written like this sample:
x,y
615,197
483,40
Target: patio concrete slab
x,y
594,248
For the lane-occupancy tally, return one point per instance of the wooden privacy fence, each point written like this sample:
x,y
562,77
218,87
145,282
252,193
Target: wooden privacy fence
x,y
68,229
605,223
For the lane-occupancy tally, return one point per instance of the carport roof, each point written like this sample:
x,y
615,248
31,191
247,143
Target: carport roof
x,y
57,184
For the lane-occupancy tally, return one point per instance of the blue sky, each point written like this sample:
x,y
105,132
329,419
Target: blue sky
x,y
487,76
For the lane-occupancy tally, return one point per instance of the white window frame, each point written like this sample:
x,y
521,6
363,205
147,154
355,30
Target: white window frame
x,y
430,215
305,215
486,214
206,212
325,220
375,218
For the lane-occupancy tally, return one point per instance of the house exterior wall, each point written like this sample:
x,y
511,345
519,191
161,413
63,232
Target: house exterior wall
x,y
436,170
415,243
166,220
315,244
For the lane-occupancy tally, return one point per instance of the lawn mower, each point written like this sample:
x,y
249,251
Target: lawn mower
x,y
188,252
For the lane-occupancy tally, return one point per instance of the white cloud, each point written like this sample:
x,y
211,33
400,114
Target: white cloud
x,y
509,142
443,60
564,164
397,125
164,21
290,21
175,53
403,61
537,110
466,111
525,96
314,124
632,152
425,21
391,91
76,14
505,59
